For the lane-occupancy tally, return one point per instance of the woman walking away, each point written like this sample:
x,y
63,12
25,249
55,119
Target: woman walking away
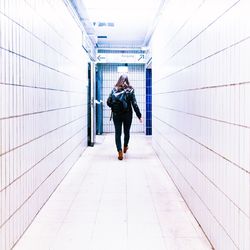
x,y
121,100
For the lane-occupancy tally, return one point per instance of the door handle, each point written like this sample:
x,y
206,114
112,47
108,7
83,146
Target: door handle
x,y
98,102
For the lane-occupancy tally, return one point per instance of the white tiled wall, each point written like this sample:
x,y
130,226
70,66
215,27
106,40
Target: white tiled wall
x,y
43,77
137,78
201,114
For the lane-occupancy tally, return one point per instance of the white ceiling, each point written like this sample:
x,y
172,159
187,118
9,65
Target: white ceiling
x,y
133,21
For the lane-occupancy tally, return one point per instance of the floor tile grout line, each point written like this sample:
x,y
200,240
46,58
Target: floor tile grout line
x,y
155,209
100,200
76,194
123,170
62,222
126,181
165,171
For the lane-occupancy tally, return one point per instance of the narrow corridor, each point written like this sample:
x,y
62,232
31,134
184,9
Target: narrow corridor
x,y
106,204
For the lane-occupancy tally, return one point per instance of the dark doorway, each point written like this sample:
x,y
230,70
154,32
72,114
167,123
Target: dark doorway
x,y
91,104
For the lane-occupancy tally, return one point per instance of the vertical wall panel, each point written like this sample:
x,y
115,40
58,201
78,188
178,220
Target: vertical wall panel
x,y
136,75
201,125
43,78
148,101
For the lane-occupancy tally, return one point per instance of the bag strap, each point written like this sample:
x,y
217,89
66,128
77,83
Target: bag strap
x,y
111,115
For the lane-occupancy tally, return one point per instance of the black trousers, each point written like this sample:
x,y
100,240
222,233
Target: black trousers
x,y
124,119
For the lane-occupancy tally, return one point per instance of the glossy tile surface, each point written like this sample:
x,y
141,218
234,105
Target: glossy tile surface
x,y
201,115
43,107
106,204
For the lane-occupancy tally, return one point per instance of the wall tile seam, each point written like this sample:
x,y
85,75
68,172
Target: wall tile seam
x,y
205,176
42,64
22,85
203,145
41,112
38,38
184,24
200,198
205,117
203,30
204,88
26,213
203,59
51,26
43,158
37,188
40,136
15,50
32,219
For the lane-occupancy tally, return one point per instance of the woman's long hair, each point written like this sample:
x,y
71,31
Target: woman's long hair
x,y
123,82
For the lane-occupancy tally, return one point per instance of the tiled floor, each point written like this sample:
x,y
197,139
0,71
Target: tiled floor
x,y
106,204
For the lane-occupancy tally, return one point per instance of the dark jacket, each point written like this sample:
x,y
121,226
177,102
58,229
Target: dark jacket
x,y
131,100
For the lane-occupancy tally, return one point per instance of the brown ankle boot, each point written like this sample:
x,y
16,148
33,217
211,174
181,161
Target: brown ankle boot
x,y
125,148
120,155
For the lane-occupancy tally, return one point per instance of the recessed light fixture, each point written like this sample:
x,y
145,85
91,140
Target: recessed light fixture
x,y
122,69
111,24
104,24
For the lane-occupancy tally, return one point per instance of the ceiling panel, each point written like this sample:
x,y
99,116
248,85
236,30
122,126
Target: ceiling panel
x,y
132,20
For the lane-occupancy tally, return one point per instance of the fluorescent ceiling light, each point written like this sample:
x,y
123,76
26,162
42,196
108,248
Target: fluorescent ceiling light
x,y
122,69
